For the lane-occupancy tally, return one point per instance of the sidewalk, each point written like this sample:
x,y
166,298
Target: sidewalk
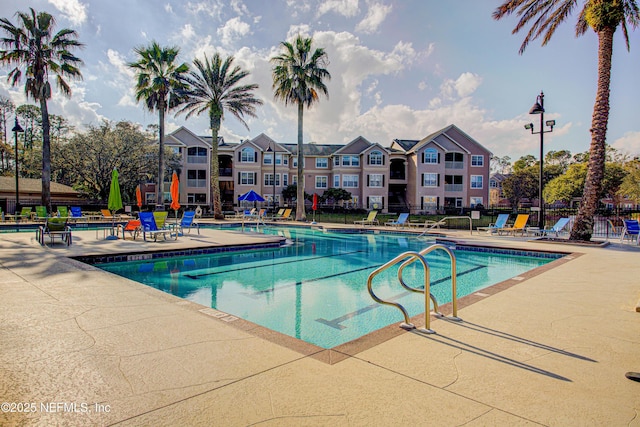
x,y
84,347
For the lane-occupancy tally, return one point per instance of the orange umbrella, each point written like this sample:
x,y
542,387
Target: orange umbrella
x,y
175,193
138,197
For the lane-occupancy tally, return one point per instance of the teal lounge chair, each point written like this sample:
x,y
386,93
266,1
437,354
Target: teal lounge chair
x,y
400,222
557,228
188,222
500,223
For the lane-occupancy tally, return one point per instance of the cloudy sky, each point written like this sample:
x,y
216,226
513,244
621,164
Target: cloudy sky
x,y
400,69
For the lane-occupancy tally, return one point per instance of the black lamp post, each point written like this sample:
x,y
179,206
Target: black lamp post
x,y
273,159
17,128
538,108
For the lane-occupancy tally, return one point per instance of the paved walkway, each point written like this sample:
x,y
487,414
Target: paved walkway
x,y
79,346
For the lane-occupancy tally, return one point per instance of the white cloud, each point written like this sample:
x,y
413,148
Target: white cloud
x,y
213,8
348,8
239,7
73,10
375,16
463,86
629,143
233,30
168,8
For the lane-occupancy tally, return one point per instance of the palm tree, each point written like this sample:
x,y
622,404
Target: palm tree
x,y
33,47
215,87
298,76
159,85
604,17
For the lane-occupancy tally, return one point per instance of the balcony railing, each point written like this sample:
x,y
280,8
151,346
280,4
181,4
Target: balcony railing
x,y
453,187
225,172
454,165
197,183
196,159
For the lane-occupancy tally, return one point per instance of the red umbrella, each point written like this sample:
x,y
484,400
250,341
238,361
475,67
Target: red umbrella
x,y
315,202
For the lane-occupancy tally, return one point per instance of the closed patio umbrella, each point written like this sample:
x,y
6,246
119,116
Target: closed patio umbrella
x,y
115,199
175,194
139,197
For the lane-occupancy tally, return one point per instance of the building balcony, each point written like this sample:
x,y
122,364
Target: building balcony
x,y
454,165
453,187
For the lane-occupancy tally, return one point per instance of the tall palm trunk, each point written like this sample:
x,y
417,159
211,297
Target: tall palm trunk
x,y
160,191
46,156
583,225
215,167
301,215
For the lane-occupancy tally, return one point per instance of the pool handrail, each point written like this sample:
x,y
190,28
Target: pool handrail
x,y
454,296
407,321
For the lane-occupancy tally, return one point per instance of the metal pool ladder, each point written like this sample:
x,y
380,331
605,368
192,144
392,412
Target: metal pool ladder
x,y
409,258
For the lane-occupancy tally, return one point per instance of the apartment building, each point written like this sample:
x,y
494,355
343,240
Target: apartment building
x,y
447,169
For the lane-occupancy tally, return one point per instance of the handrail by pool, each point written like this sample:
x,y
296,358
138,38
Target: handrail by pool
x,y
413,256
454,296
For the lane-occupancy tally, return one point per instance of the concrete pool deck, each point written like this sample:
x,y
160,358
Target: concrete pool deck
x,y
80,346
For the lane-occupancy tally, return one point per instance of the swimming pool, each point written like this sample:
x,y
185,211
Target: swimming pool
x,y
315,288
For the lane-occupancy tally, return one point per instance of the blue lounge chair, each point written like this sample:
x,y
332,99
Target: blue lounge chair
x,y
500,223
76,212
149,227
557,228
400,222
187,221
631,229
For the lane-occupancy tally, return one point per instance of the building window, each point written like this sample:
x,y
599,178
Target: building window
x,y
267,158
430,156
454,161
430,180
281,159
248,155
375,202
375,180
247,178
322,162
477,160
349,181
268,179
336,161
476,181
350,161
295,162
294,179
196,155
453,183
430,204
196,178
375,158
336,181
285,179
475,201
321,182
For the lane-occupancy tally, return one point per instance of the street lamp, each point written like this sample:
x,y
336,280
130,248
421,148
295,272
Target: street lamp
x,y
17,128
273,159
538,108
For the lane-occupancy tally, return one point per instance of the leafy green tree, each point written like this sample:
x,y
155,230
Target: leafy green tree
x,y
87,160
335,195
215,87
298,76
521,184
6,109
566,186
630,186
160,86
560,158
32,48
30,117
603,17
524,162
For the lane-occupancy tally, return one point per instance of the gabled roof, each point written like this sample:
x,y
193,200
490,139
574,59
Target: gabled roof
x,y
357,146
265,142
405,144
178,137
313,150
449,139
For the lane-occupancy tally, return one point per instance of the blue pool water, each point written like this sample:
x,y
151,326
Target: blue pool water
x,y
315,289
